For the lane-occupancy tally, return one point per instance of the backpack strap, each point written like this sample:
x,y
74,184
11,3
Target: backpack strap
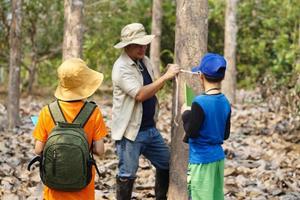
x,y
93,162
36,159
84,114
56,112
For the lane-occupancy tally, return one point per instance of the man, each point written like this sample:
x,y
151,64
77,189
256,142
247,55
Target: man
x,y
135,109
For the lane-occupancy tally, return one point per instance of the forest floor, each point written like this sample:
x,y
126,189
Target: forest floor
x,y
262,153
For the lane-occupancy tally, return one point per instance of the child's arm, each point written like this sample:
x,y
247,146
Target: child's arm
x,y
227,128
186,116
192,121
98,147
100,132
39,146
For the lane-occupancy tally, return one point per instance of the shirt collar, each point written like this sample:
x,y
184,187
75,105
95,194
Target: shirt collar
x,y
127,59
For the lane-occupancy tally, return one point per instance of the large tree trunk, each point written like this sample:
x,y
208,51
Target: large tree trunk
x,y
157,14
72,44
14,65
190,46
229,83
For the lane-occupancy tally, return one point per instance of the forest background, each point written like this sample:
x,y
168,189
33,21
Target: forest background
x,y
263,150
267,42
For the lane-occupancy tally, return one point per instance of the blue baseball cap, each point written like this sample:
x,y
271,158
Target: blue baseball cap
x,y
211,64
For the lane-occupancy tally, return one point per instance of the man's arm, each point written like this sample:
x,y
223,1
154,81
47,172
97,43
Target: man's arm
x,y
150,90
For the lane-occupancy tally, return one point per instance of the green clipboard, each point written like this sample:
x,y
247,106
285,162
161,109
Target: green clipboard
x,y
189,95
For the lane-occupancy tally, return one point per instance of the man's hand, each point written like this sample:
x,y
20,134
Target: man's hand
x,y
173,70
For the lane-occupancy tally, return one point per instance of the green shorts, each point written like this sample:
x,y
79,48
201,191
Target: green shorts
x,y
205,181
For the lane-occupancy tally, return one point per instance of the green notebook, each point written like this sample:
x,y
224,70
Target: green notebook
x,y
189,95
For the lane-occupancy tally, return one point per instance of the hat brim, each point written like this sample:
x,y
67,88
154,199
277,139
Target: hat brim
x,y
141,41
93,81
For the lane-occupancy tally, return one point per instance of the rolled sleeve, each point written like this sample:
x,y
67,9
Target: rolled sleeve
x,y
129,83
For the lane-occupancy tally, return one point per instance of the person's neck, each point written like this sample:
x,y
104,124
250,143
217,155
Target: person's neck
x,y
212,88
133,58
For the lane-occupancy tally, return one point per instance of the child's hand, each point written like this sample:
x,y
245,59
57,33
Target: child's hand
x,y
184,107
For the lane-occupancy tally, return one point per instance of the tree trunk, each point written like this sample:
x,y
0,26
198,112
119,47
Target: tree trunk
x,y
229,83
190,46
72,44
157,14
33,58
32,74
1,75
298,59
14,65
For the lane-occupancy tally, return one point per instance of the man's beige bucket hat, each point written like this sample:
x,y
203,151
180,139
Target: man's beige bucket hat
x,y
134,34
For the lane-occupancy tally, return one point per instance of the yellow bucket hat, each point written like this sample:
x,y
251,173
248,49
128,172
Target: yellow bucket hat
x,y
76,80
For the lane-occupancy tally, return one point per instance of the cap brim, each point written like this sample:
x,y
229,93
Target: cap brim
x,y
93,82
195,69
141,41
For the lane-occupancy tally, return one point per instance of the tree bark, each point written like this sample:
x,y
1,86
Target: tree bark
x,y
13,106
33,58
229,83
1,75
32,74
190,46
72,43
157,14
298,59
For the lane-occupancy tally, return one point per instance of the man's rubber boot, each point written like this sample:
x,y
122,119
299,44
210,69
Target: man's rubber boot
x,y
161,184
124,188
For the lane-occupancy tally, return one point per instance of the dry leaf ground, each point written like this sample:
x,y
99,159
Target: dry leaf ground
x,y
262,154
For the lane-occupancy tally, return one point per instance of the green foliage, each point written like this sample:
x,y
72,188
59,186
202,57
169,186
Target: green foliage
x,y
267,40
268,36
5,18
168,32
216,24
42,36
105,20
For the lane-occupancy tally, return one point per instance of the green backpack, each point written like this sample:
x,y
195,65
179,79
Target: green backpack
x,y
66,162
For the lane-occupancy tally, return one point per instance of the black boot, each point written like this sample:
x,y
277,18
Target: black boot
x,y
161,184
124,188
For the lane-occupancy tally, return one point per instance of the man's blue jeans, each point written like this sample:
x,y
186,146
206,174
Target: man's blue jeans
x,y
148,143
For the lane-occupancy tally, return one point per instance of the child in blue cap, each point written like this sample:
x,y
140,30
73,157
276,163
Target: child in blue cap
x,y
207,125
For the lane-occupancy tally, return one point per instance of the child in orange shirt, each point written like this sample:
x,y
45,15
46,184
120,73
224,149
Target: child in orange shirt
x,y
77,82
